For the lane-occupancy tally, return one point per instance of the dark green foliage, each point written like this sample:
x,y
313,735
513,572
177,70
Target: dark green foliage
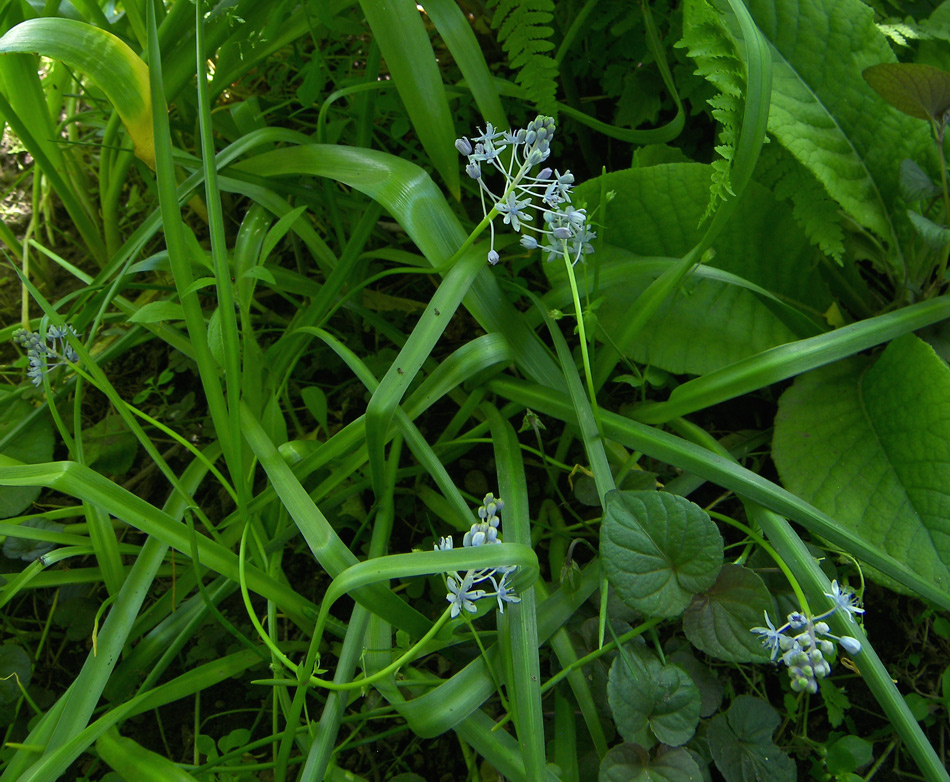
x,y
525,33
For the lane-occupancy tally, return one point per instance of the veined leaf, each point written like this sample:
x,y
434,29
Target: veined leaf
x,y
920,91
870,443
823,111
118,71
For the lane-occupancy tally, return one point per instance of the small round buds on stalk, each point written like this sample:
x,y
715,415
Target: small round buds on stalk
x,y
805,642
463,589
515,154
44,357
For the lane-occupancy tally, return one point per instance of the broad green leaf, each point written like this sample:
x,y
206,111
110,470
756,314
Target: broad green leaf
x,y
708,324
710,688
826,115
935,236
643,692
109,446
14,664
658,550
717,621
847,754
915,183
156,311
632,763
32,444
741,743
920,91
868,442
117,70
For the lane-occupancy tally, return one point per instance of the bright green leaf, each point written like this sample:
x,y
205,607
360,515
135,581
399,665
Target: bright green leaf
x,y
117,70
709,323
658,550
825,114
848,754
935,236
868,441
157,311
718,621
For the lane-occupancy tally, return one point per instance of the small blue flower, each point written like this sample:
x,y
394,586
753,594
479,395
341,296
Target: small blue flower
x,y
504,594
771,638
461,595
844,599
464,146
513,210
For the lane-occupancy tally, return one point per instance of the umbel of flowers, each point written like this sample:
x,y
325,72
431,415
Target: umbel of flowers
x,y
464,589
44,357
805,642
527,192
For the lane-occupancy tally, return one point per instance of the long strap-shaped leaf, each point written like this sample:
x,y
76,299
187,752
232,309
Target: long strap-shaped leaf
x,y
117,70
85,484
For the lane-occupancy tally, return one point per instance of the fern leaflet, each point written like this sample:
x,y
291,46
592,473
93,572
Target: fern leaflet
x,y
524,33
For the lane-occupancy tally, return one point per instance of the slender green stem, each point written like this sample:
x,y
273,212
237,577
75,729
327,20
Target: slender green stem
x,y
582,335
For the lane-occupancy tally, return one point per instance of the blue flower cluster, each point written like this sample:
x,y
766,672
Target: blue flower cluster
x,y
804,651
463,591
44,357
563,229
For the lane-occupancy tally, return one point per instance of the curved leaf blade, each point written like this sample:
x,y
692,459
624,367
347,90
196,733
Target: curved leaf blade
x,y
402,38
118,71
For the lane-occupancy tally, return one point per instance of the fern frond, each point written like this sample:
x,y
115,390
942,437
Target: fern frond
x,y
813,209
717,60
524,32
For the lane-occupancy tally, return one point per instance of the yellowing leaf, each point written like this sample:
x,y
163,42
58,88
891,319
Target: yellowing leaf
x,y
118,71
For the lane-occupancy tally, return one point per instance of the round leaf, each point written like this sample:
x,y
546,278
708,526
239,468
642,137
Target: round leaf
x,y
741,745
717,621
658,550
631,763
920,91
644,692
14,664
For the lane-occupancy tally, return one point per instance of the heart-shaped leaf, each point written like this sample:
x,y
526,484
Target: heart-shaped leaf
x,y
632,763
658,550
718,620
643,692
14,664
920,91
741,743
